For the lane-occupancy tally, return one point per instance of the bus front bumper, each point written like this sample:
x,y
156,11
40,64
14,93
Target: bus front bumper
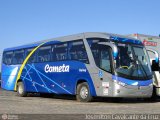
x,y
131,91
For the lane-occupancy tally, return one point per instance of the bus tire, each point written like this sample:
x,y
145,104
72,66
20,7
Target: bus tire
x,y
83,93
20,90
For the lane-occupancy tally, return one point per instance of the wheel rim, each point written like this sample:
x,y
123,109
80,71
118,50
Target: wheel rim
x,y
84,92
20,89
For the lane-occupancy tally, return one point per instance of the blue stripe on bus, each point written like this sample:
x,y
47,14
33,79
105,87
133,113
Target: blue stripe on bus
x,y
133,82
125,40
31,45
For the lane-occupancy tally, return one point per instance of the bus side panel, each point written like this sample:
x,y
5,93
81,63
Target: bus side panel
x,y
56,77
9,75
102,81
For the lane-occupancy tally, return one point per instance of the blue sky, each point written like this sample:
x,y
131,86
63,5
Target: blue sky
x,y
26,21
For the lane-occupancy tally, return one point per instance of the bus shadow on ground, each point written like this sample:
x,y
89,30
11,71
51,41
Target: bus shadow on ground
x,y
54,96
126,100
99,99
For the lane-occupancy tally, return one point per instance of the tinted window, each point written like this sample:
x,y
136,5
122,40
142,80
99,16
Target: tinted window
x,y
77,51
7,58
32,58
44,54
101,54
18,57
59,52
105,58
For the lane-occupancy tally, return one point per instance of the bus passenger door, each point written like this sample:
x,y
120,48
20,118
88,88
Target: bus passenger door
x,y
102,73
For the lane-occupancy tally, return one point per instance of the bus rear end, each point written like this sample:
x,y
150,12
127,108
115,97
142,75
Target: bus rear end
x,y
9,70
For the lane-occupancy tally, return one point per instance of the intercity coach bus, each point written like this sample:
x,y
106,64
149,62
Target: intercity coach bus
x,y
86,65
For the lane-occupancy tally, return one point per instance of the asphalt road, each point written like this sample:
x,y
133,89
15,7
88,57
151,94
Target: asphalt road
x,y
10,103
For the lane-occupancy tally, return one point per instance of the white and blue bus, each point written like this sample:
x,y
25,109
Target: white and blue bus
x,y
86,65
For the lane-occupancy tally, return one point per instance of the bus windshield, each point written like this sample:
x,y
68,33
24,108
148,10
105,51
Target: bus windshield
x,y
132,62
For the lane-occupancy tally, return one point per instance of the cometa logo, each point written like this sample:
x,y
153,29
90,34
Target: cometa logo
x,y
50,69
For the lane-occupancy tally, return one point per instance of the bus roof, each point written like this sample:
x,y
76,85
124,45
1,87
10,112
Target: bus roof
x,y
143,35
113,37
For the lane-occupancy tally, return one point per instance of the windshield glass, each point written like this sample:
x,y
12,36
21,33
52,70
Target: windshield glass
x,y
132,62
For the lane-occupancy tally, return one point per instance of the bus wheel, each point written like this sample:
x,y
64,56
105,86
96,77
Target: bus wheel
x,y
20,90
83,93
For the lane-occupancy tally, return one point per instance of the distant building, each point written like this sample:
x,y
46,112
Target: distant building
x,y
151,42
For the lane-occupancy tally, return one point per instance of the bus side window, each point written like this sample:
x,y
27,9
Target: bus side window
x,y
101,54
18,57
60,52
105,59
44,54
7,58
77,51
95,51
32,58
